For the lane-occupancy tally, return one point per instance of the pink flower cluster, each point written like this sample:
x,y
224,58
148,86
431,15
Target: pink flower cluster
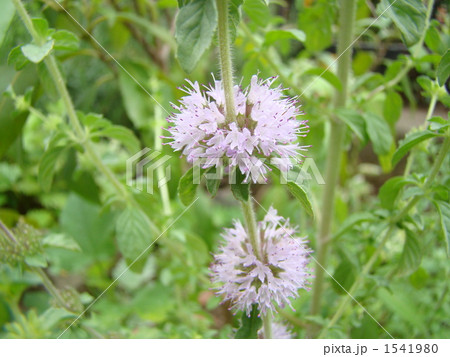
x,y
246,279
266,128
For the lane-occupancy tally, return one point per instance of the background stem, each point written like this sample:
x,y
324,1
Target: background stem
x,y
347,19
58,80
412,202
226,64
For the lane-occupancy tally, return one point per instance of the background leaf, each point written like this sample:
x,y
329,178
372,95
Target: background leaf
x,y
195,26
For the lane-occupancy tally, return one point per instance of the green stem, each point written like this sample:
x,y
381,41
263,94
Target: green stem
x,y
8,233
52,289
58,80
226,65
347,20
368,266
267,321
160,170
252,227
431,107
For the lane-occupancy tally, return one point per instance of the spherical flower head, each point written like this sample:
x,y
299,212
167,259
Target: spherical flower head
x,y
268,281
266,129
279,332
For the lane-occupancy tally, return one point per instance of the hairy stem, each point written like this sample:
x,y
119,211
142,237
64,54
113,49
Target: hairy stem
x,y
267,321
252,227
347,19
226,64
368,266
58,80
163,190
52,289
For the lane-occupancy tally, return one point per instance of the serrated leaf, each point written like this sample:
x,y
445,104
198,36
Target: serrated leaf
x,y
300,194
330,77
355,122
47,166
354,220
411,254
408,15
317,21
240,189
438,123
37,261
37,53
235,16
379,133
59,240
17,58
343,276
289,34
134,232
444,221
124,135
65,40
213,183
389,191
409,142
443,70
392,108
188,184
41,27
257,11
250,325
195,26
52,316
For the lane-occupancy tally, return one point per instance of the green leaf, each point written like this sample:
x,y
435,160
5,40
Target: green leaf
x,y
195,26
392,108
60,240
355,122
408,15
47,166
257,11
409,142
411,254
391,188
444,221
37,261
289,34
443,70
188,184
379,133
90,226
344,276
41,27
137,103
17,58
65,40
317,21
300,194
433,39
134,232
330,77
213,183
235,16
250,325
354,220
6,16
400,303
37,53
124,135
240,189
53,316
438,123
